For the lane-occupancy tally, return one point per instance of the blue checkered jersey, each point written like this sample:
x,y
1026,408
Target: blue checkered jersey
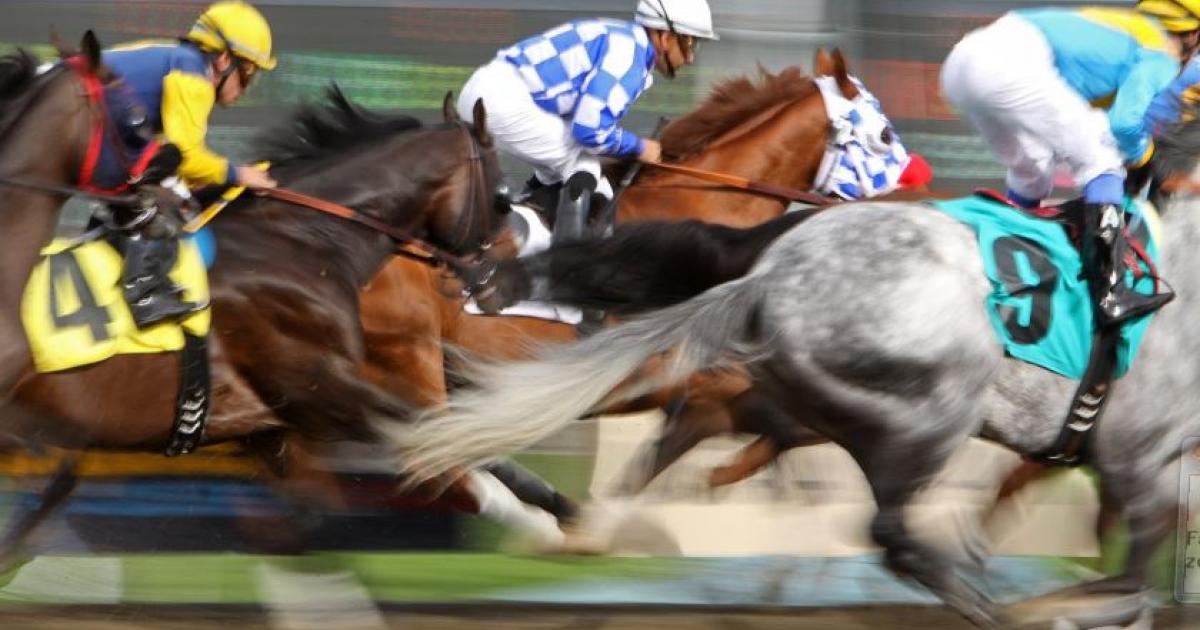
x,y
590,71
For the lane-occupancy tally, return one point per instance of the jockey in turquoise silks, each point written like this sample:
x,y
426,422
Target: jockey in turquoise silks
x,y
176,83
1074,88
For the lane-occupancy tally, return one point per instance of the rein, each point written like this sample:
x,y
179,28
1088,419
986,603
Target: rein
x,y
432,255
782,192
124,200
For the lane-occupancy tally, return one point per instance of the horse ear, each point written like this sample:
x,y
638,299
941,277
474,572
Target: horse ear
x,y
822,63
842,74
89,47
479,112
449,111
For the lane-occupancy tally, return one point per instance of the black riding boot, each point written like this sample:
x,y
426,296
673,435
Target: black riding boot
x,y
1104,265
574,204
151,295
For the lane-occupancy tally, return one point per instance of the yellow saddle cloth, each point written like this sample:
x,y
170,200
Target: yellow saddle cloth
x,y
74,313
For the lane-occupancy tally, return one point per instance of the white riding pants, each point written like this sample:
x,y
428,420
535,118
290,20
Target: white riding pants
x,y
524,130
1002,79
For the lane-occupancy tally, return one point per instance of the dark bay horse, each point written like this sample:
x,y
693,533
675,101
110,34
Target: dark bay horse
x,y
287,343
868,324
774,129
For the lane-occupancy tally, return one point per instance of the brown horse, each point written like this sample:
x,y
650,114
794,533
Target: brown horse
x,y
287,343
774,130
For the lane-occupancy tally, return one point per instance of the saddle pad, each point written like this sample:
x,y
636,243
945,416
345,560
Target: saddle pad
x,y
74,313
1039,305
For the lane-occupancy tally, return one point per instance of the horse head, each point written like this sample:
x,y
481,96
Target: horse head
x,y
474,199
776,127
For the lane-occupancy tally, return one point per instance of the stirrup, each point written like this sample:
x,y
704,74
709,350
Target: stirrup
x,y
158,307
1121,304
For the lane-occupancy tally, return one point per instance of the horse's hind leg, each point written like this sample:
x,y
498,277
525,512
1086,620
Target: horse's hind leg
x,y
901,439
22,524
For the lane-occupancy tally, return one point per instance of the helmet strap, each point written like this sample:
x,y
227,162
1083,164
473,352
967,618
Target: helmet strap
x,y
666,18
227,72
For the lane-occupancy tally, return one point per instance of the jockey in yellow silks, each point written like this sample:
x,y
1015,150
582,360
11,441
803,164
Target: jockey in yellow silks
x,y
177,83
1072,87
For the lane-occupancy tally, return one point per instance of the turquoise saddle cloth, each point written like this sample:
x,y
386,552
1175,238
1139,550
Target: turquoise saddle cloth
x,y
1039,305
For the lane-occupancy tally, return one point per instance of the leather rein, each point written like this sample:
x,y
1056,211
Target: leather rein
x,y
772,190
426,252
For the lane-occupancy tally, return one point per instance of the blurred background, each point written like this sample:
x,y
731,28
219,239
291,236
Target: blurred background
x,y
200,531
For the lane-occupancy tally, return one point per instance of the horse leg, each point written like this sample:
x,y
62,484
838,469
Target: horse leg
x,y
60,486
900,442
895,473
746,463
1150,514
533,490
685,427
753,411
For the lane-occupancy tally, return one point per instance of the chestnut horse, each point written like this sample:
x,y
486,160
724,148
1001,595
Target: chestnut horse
x,y
774,130
287,343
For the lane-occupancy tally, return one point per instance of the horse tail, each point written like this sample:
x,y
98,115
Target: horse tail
x,y
649,265
511,406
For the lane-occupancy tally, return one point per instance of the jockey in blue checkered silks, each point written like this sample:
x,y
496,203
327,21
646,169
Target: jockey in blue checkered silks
x,y
556,100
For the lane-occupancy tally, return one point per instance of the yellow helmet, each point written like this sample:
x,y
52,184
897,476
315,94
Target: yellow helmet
x,y
237,27
1177,16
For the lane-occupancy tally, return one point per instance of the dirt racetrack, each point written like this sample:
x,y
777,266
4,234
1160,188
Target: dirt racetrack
x,y
472,617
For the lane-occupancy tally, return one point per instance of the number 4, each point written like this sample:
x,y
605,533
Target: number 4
x,y
89,313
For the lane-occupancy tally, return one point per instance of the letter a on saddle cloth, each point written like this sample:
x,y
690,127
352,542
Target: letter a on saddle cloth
x,y
1040,306
74,312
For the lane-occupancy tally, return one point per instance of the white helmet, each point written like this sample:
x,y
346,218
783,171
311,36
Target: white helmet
x,y
686,17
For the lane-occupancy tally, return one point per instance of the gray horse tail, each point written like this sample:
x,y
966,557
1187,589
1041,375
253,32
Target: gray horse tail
x,y
513,405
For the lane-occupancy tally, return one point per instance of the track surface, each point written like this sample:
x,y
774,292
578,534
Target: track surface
x,y
476,617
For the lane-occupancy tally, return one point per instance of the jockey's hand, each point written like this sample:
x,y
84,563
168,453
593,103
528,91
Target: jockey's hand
x,y
651,151
251,177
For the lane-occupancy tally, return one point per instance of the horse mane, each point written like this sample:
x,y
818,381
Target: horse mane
x,y
18,72
319,130
733,101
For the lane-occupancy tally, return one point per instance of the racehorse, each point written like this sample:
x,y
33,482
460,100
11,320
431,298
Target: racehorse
x,y
287,344
867,323
774,130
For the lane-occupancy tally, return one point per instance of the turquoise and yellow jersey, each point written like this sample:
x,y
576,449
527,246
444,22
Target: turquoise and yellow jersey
x,y
172,80
1112,57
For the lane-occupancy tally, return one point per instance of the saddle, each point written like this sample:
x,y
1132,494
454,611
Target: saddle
x,y
1104,363
75,314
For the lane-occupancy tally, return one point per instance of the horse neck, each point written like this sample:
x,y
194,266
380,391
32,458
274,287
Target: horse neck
x,y
783,145
43,145
371,182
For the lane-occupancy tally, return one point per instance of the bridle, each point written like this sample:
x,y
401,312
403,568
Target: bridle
x,y
99,124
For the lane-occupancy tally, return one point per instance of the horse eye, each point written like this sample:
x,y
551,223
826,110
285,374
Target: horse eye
x,y
886,136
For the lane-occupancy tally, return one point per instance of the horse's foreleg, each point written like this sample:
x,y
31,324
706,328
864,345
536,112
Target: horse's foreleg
x,y
22,524
746,463
687,424
532,489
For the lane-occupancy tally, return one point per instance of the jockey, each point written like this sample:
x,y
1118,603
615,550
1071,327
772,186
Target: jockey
x,y
177,83
556,100
1036,83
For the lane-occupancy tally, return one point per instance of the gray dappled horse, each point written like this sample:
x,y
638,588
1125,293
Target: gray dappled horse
x,y
868,324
